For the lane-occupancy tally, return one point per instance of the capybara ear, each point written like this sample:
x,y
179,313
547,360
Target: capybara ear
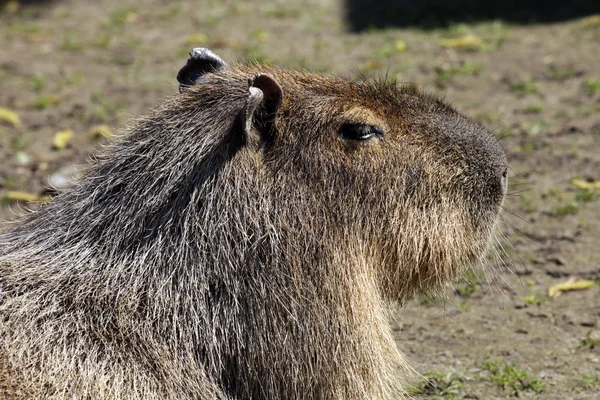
x,y
264,100
255,98
202,61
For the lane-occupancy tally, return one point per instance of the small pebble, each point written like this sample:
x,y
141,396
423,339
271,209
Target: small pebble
x,y
519,305
22,158
64,178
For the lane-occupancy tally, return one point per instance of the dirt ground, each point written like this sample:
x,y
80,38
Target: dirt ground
x,y
494,334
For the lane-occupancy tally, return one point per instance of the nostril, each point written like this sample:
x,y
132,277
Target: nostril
x,y
504,180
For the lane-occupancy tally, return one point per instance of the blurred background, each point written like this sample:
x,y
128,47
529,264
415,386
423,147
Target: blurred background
x,y
73,72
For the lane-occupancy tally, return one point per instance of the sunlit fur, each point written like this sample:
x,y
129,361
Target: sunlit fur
x,y
196,261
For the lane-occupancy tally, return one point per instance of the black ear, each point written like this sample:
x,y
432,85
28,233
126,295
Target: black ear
x,y
265,97
201,62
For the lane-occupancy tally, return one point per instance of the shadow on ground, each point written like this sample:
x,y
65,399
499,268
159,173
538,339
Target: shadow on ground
x,y
372,14
25,2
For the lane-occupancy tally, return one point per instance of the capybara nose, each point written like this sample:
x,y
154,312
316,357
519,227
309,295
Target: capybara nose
x,y
484,159
496,165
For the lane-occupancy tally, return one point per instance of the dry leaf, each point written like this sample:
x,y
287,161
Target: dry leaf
x,y
101,131
581,184
567,286
9,117
62,139
24,196
469,42
400,46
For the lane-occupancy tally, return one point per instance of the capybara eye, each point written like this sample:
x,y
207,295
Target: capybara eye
x,y
360,131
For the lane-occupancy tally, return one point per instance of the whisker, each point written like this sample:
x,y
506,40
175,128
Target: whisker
x,y
514,214
525,236
518,192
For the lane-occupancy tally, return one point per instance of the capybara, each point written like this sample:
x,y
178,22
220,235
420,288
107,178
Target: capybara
x,y
247,240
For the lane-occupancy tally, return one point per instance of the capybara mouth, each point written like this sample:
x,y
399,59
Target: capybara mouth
x,y
455,187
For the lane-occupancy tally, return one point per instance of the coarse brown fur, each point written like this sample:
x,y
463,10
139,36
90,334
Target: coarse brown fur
x,y
198,261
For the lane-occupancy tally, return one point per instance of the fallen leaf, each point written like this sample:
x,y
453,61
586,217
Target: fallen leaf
x,y
24,196
468,42
581,184
400,45
567,286
9,117
61,139
101,131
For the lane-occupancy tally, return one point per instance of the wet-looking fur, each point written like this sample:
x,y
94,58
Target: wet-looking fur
x,y
247,241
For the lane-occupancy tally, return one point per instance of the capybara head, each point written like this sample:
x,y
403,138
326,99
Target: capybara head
x,y
395,172
245,240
